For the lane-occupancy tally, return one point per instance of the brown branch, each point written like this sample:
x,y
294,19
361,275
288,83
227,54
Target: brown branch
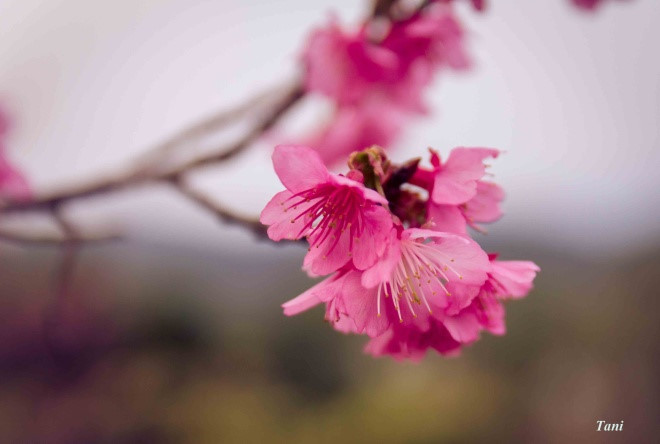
x,y
134,176
382,8
145,169
70,247
224,214
395,11
204,127
45,239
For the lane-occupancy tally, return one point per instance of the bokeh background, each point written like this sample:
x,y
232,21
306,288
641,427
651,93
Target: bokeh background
x,y
176,335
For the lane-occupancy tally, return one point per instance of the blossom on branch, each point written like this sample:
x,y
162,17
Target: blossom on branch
x,y
343,220
395,274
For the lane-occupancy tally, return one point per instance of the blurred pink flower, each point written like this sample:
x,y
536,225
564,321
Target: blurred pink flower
x,y
13,184
356,127
411,343
432,38
350,66
341,218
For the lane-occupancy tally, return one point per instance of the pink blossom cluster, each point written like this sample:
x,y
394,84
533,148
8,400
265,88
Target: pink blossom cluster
x,y
12,183
376,75
393,239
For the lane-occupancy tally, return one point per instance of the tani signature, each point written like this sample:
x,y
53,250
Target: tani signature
x,y
604,426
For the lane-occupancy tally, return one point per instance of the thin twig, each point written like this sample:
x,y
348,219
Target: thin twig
x,y
145,169
223,213
69,253
49,240
204,127
134,176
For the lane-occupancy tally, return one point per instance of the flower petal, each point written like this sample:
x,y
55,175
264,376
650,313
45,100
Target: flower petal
x,y
328,256
485,205
381,270
468,263
360,305
456,180
464,327
447,218
283,222
299,167
309,298
371,244
515,277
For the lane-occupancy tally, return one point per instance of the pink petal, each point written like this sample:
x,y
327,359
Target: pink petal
x,y
328,256
361,307
491,314
367,193
382,269
373,121
485,205
279,217
464,327
298,167
310,298
447,218
456,181
470,263
461,297
515,277
13,184
328,290
371,245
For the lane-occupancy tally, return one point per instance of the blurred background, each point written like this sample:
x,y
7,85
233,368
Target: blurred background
x,y
176,335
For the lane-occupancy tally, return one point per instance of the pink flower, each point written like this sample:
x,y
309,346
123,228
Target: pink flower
x,y
457,195
507,279
446,334
342,220
356,127
344,66
410,282
433,37
410,289
411,343
13,184
349,66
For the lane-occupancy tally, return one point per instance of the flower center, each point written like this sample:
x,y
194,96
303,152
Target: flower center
x,y
422,271
331,210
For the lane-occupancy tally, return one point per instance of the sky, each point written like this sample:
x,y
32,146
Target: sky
x,y
572,98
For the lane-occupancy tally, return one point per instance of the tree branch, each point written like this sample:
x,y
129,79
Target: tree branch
x,y
49,240
206,126
136,175
224,214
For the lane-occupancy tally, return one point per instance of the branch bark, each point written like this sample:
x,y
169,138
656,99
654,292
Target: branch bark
x,y
224,214
50,240
135,174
